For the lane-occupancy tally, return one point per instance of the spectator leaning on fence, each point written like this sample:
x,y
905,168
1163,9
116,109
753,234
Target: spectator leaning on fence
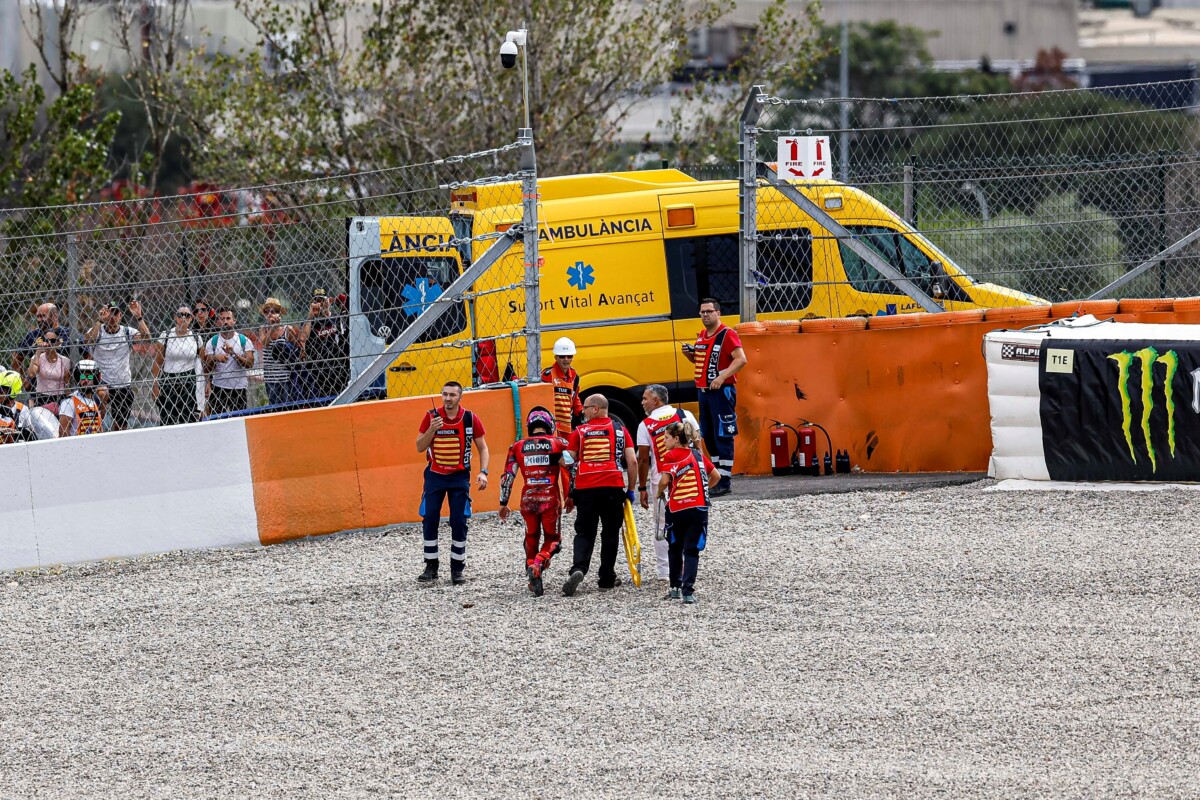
x,y
178,371
111,343
280,354
48,372
46,321
228,355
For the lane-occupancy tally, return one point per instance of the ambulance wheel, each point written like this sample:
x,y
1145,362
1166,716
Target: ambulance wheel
x,y
619,408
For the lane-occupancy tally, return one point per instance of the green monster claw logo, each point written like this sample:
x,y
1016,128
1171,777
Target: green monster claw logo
x,y
1147,357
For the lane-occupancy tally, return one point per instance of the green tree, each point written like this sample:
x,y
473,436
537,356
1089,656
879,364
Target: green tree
x,y
50,154
785,50
337,86
1115,154
890,60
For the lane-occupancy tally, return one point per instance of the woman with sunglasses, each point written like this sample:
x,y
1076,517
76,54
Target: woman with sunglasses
x,y
48,370
176,371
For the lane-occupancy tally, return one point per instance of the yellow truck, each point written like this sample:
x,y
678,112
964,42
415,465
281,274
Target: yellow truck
x,y
626,258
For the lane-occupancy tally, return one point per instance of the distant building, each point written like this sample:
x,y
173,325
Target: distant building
x,y
964,30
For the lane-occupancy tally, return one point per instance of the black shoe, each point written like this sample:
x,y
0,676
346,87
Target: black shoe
x,y
616,582
720,490
457,578
572,583
429,575
535,581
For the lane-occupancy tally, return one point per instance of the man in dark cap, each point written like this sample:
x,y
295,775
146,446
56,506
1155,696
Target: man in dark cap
x,y
326,342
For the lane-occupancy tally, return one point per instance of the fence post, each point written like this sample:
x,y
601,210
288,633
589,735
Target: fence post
x,y
909,204
529,223
74,317
1162,221
748,205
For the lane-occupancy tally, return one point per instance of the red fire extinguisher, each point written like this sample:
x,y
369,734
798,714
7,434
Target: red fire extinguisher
x,y
806,451
781,451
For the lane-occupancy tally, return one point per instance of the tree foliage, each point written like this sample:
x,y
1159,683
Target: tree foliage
x,y
890,60
55,154
338,86
784,52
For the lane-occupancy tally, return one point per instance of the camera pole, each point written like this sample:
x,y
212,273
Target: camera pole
x,y
529,197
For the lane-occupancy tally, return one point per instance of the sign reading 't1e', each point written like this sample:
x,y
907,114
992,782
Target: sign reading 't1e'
x,y
803,157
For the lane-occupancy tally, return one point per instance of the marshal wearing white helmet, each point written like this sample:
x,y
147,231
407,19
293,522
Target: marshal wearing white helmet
x,y
568,408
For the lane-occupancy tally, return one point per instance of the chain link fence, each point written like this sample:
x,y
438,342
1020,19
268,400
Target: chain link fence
x,y
1018,198
281,316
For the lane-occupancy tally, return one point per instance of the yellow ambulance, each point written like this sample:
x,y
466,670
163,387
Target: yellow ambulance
x,y
626,258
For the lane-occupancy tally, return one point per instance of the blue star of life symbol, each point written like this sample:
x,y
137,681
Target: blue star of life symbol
x,y
419,296
581,275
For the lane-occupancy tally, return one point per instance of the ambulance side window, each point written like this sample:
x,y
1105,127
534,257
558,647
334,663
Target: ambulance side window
x,y
862,275
902,254
785,270
396,290
703,266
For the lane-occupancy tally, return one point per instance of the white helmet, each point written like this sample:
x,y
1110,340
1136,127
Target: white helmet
x,y
564,347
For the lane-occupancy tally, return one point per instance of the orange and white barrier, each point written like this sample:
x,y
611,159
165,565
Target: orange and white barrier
x,y
902,393
228,483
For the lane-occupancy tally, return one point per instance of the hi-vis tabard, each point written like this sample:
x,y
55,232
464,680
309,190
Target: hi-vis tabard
x,y
450,450
657,428
689,470
566,397
709,355
600,445
10,419
84,413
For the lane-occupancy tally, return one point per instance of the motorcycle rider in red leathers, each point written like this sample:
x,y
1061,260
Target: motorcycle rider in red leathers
x,y
543,463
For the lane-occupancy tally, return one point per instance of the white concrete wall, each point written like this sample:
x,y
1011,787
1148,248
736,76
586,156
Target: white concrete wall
x,y
126,494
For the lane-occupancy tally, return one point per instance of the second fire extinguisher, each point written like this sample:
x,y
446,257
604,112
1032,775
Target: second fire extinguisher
x,y
806,450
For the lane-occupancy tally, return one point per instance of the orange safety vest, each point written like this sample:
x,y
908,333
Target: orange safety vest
x,y
566,397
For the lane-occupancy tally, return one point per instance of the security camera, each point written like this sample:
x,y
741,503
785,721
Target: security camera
x,y
508,54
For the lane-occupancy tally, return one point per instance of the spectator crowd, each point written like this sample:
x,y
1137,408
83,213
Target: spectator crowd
x,y
202,366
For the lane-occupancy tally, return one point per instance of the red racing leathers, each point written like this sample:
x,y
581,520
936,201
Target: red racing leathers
x,y
540,461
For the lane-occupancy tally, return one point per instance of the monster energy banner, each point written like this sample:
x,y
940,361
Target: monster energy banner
x,y
1122,410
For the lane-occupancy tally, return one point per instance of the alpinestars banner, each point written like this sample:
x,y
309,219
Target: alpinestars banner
x,y
1120,410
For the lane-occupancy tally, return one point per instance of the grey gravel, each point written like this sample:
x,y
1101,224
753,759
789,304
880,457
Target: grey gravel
x,y
947,642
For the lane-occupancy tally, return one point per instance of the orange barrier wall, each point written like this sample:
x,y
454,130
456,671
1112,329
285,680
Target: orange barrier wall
x,y
907,395
351,467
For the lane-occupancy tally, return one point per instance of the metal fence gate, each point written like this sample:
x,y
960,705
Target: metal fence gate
x,y
1061,194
